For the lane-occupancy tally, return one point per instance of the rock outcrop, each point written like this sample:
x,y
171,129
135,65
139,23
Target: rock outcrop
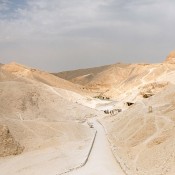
x,y
171,57
8,145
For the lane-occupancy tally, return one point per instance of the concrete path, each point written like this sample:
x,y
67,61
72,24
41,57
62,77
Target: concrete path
x,y
101,160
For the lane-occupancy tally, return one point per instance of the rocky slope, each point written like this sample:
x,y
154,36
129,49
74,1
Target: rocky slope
x,y
141,135
114,80
42,120
8,146
20,72
143,139
81,76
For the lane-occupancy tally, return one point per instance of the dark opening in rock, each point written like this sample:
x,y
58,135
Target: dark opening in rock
x,y
147,95
129,103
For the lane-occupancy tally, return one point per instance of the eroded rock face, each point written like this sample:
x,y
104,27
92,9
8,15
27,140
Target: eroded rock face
x,y
8,145
151,89
171,57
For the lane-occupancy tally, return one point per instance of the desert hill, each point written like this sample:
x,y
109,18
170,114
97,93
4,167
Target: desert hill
x,y
143,139
142,135
81,76
112,81
86,76
43,118
18,72
39,118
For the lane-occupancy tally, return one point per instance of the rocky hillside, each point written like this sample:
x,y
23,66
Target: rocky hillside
x,y
142,135
81,76
42,119
20,72
114,80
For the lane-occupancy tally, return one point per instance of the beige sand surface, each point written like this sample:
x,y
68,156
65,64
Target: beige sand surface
x,y
55,159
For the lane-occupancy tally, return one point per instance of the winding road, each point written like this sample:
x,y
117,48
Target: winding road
x,y
101,160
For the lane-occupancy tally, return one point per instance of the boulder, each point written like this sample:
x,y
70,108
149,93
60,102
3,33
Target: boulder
x,y
8,145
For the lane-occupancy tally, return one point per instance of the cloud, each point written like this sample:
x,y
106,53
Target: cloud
x,y
74,33
4,5
73,17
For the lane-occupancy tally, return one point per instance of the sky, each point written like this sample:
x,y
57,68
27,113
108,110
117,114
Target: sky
x,y
57,35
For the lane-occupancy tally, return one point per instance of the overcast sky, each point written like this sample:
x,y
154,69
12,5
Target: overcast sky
x,y
56,35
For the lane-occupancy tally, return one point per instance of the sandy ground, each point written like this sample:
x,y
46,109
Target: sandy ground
x,y
101,160
55,161
50,161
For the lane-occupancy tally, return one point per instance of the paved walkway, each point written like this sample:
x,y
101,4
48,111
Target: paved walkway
x,y
101,160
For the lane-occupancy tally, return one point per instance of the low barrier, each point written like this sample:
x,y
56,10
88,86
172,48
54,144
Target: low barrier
x,y
85,161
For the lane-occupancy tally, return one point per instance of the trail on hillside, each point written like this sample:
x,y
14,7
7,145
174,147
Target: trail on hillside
x,y
101,160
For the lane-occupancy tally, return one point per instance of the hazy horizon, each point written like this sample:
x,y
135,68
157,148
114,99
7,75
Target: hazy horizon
x,y
73,34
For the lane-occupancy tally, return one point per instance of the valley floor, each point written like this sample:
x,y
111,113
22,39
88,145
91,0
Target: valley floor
x,y
101,160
